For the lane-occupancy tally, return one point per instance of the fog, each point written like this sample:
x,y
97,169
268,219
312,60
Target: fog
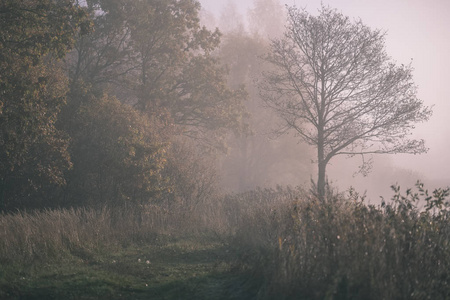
x,y
417,33
162,156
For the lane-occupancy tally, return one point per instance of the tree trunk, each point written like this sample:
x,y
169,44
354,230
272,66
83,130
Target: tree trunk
x,y
2,194
243,170
322,163
321,180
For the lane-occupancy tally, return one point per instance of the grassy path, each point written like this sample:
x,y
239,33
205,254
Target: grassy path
x,y
181,269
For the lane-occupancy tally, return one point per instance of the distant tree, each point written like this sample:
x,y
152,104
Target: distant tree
x,y
33,152
230,18
256,159
267,18
336,87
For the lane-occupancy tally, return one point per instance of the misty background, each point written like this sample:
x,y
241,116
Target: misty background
x,y
417,33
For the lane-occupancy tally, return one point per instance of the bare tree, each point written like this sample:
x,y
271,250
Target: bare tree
x,y
336,87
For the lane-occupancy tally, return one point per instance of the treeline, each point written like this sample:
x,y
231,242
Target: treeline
x,y
128,101
110,101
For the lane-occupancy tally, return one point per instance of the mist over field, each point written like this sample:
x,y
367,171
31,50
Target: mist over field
x,y
203,149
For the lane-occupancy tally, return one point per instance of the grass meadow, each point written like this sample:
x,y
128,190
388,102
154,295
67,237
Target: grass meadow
x,y
278,243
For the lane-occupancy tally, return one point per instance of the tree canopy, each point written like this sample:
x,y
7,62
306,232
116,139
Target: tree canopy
x,y
337,88
95,96
33,36
156,56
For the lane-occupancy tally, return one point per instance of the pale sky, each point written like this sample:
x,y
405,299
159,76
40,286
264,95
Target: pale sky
x,y
417,30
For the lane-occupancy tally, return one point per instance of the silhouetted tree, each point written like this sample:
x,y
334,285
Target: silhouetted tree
x,y
336,87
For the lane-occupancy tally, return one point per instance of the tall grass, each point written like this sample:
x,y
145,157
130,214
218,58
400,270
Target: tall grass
x,y
57,233
344,249
51,234
83,232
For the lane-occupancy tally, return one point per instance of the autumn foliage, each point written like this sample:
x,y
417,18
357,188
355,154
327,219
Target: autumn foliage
x,y
96,100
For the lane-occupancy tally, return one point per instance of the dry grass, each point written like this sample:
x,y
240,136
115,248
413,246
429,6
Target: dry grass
x,y
51,234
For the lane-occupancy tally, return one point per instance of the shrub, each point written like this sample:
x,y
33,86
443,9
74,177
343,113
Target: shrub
x,y
117,153
344,249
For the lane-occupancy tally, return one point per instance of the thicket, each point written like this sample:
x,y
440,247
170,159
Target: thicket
x,y
341,248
